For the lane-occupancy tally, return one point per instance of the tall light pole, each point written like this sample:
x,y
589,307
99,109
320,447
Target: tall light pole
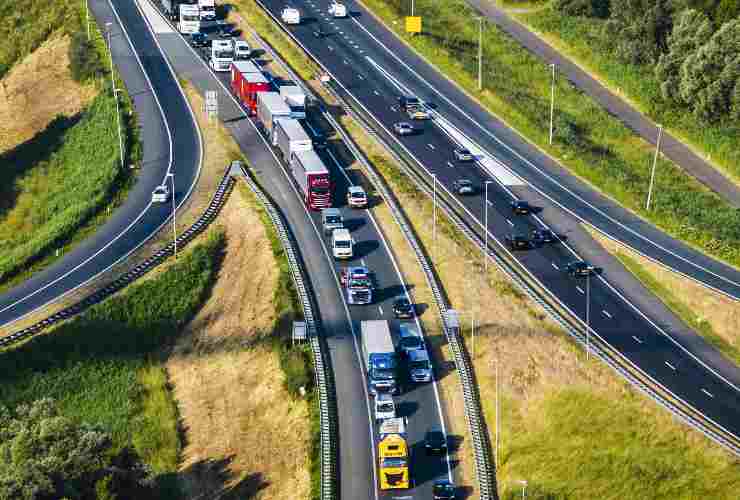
x,y
655,163
434,213
498,418
87,19
109,29
485,231
118,124
588,314
171,175
480,53
472,331
412,8
552,101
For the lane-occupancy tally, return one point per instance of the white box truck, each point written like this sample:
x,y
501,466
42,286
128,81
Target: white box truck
x,y
379,356
189,20
270,108
296,99
290,137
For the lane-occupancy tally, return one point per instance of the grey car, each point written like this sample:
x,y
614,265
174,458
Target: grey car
x,y
403,128
464,187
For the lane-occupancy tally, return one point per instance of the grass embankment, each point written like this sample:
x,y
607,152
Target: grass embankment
x,y
64,177
580,38
236,380
711,314
588,141
106,365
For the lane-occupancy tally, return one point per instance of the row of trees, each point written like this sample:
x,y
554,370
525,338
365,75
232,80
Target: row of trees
x,y
45,455
693,45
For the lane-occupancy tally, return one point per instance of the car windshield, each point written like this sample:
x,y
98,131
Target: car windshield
x,y
464,183
357,194
435,436
444,488
411,342
385,407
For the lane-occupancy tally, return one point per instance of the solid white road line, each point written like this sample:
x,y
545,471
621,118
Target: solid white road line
x,y
449,164
156,21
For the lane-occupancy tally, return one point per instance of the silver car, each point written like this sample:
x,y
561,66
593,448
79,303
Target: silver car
x,y
403,128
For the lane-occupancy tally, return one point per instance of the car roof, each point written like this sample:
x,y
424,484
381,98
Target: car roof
x,y
358,270
355,189
384,396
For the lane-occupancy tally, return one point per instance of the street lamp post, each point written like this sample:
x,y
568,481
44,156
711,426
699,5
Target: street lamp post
x,y
171,175
412,8
485,231
480,53
472,331
588,314
434,213
118,124
87,19
655,163
552,101
498,418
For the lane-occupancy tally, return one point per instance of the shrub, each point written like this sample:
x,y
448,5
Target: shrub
x,y
84,59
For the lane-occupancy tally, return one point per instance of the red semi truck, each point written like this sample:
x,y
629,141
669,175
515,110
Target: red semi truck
x,y
246,81
312,176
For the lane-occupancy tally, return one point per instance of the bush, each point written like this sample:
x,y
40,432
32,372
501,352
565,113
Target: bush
x,y
297,369
84,59
583,8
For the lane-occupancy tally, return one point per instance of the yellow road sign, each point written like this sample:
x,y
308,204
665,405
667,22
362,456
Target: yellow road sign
x,y
413,24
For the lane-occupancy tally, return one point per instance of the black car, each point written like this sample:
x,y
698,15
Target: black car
x,y
443,489
405,101
435,441
518,242
580,268
521,207
543,236
403,309
463,187
200,40
227,31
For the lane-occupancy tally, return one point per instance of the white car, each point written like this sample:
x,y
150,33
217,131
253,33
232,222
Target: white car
x,y
356,197
160,194
242,50
385,408
337,9
291,15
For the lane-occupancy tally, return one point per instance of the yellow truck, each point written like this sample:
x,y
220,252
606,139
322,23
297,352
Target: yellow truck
x,y
393,455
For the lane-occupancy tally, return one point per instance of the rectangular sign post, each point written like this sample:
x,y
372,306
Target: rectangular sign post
x,y
413,24
211,104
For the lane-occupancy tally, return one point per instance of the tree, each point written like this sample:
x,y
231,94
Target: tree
x,y
44,455
692,28
639,29
709,76
726,11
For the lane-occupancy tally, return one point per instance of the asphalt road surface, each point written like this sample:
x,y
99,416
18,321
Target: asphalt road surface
x,y
339,323
375,68
671,147
137,219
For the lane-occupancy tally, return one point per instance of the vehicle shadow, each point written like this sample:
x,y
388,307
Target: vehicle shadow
x,y
365,248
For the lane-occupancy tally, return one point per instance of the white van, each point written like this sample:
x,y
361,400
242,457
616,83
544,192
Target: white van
x,y
341,244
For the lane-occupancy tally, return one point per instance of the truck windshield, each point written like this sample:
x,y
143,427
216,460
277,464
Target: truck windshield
x,y
394,462
419,365
411,342
189,17
333,219
342,244
319,190
383,374
207,8
224,54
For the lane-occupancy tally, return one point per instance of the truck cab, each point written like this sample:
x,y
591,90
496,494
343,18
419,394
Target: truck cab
x,y
358,284
207,10
222,55
331,219
342,244
393,455
337,9
189,19
419,366
291,15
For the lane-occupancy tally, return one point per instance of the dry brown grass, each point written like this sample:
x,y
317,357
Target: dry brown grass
x,y
244,435
38,89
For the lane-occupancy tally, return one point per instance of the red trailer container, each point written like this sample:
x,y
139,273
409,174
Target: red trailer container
x,y
246,81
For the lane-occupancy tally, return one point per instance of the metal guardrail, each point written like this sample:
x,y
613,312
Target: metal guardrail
x,y
210,213
324,376
539,294
485,471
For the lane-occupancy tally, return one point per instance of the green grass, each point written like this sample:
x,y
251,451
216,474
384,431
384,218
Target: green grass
x,y
680,308
579,444
64,183
105,366
588,141
581,39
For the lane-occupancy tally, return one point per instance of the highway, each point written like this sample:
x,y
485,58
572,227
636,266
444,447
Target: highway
x,y
170,141
339,323
375,68
671,147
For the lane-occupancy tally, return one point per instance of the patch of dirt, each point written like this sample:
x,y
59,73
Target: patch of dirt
x,y
36,90
244,436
